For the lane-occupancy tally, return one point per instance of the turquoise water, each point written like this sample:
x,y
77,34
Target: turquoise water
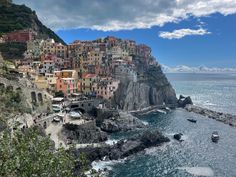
x,y
197,155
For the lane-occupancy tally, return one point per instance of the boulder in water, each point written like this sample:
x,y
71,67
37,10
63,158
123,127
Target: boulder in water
x,y
178,136
183,101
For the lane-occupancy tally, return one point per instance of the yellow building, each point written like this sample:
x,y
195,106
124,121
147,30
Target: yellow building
x,y
41,82
66,74
60,50
87,82
48,46
52,81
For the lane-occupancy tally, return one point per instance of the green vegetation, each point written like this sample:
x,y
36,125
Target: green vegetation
x,y
29,153
12,101
13,50
84,162
16,17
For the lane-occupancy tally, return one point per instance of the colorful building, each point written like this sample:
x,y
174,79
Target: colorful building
x,y
41,82
67,86
106,87
87,81
20,36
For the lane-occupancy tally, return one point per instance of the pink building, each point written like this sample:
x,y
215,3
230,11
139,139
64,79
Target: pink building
x,y
106,87
66,85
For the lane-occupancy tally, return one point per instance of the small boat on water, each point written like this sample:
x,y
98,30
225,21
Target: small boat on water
x,y
192,120
215,136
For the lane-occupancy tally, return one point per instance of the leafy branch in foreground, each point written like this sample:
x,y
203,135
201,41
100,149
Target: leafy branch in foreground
x,y
30,154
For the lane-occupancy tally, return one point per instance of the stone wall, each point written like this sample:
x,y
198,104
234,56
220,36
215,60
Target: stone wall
x,y
36,99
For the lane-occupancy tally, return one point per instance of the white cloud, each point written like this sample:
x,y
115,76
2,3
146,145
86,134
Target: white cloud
x,y
199,69
180,33
122,14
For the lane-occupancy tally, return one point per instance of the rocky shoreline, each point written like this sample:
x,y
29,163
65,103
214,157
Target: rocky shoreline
x,y
123,148
218,116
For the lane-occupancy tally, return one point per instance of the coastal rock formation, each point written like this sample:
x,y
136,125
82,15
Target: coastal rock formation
x,y
152,88
134,145
84,133
113,121
178,136
219,116
125,148
183,101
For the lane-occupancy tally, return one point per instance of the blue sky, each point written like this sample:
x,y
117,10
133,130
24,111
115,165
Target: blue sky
x,y
180,32
215,49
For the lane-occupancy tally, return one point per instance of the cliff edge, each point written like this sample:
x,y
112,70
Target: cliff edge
x,y
151,88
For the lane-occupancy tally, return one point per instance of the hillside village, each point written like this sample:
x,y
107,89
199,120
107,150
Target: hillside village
x,y
92,68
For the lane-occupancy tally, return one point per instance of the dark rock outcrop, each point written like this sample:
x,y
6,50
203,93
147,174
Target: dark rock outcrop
x,y
113,121
219,116
125,148
178,136
84,133
183,101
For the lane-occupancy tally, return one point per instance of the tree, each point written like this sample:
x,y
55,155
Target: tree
x,y
29,153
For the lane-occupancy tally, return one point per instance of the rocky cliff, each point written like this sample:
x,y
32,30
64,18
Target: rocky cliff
x,y
151,89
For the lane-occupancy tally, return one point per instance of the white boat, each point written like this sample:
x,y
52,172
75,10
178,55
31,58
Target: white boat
x,y
75,115
215,136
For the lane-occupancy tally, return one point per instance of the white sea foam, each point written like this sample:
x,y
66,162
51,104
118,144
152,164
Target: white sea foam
x,y
198,171
101,165
144,122
111,141
207,103
161,111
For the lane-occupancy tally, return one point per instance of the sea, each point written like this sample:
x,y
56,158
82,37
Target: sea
x,y
197,155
